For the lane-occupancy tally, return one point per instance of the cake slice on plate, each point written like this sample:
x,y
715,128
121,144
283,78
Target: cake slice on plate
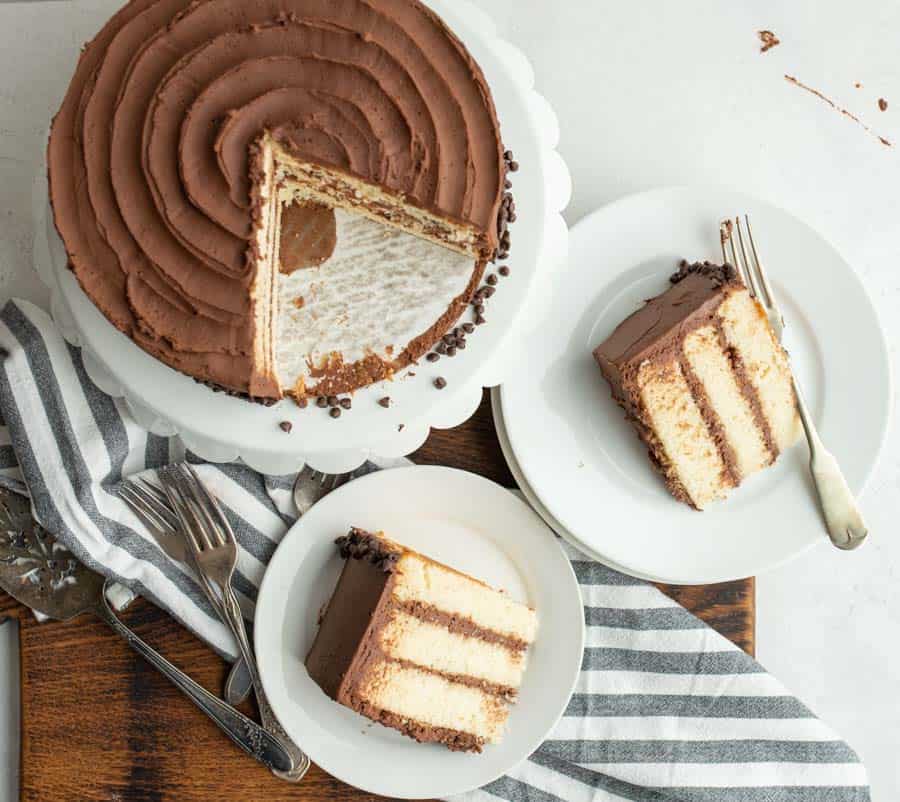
x,y
417,646
705,382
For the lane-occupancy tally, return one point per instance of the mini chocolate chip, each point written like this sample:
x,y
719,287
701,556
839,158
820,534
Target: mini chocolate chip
x,y
440,382
461,345
286,426
512,217
346,403
303,403
507,154
401,427
335,412
503,270
385,402
479,320
479,309
448,339
468,328
491,279
433,357
488,291
332,400
322,401
441,348
451,350
513,166
507,184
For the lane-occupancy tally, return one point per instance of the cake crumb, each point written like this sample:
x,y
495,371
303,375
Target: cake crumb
x,y
882,104
842,111
299,301
768,39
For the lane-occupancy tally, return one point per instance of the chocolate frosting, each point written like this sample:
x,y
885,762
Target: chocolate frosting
x,y
148,155
661,324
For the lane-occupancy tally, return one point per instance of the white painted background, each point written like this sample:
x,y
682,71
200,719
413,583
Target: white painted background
x,y
648,94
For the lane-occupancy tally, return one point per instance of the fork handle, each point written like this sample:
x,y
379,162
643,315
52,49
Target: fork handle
x,y
842,516
235,620
247,734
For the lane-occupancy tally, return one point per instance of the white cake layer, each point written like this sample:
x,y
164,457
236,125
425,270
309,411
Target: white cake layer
x,y
428,582
747,330
406,637
682,431
379,289
432,700
713,369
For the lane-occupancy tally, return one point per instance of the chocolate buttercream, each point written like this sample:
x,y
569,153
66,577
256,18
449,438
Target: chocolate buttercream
x,y
148,154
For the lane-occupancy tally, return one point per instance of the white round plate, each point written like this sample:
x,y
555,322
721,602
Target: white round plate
x,y
531,497
584,462
460,519
220,428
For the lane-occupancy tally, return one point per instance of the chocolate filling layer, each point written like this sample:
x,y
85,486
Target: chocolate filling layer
x,y
731,473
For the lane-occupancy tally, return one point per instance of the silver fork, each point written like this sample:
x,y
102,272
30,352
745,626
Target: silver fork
x,y
842,517
215,551
151,506
310,486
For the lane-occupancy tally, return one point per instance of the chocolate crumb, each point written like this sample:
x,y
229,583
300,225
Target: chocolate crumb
x,y
286,426
503,270
385,402
440,382
322,401
768,39
882,104
858,85
335,412
401,427
433,357
346,403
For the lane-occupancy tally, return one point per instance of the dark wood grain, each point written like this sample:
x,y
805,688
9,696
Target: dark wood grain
x,y
100,725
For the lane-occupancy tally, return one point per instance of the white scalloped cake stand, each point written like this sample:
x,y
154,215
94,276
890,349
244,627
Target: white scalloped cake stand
x,y
220,428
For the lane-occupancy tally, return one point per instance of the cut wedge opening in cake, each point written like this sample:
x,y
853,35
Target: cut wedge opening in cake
x,y
353,282
420,647
706,383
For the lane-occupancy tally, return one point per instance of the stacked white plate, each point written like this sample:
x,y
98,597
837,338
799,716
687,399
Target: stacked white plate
x,y
220,428
579,462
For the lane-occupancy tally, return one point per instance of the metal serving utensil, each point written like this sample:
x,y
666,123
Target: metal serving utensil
x,y
842,517
42,574
215,550
311,486
151,506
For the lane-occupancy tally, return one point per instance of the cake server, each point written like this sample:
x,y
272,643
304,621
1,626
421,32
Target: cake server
x,y
842,517
213,544
42,574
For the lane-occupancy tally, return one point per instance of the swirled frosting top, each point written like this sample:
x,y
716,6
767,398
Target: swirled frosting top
x,y
148,155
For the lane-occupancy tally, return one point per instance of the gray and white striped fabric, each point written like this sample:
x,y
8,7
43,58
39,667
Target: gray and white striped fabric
x,y
665,708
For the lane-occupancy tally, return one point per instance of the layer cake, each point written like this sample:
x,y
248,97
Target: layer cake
x,y
705,382
419,647
279,197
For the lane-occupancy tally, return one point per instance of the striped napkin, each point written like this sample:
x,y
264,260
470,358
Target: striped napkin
x,y
665,708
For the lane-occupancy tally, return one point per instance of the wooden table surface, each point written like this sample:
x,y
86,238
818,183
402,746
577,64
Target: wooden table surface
x,y
100,725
